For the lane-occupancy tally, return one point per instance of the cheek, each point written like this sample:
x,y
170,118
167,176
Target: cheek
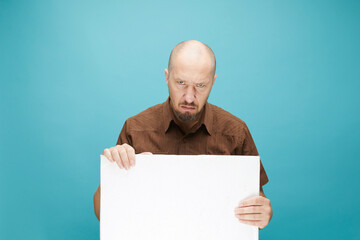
x,y
202,97
175,95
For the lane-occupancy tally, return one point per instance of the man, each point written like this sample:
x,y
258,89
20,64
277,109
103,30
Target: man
x,y
187,124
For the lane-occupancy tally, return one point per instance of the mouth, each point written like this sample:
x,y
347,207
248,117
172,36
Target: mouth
x,y
187,108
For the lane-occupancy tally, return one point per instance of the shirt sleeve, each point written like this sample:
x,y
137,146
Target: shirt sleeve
x,y
124,136
248,148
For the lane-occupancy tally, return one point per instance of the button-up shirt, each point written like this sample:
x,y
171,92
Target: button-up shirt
x,y
217,132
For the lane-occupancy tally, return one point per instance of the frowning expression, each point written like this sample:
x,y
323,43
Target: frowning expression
x,y
189,88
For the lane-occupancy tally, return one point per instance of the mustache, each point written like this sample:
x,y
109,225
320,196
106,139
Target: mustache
x,y
188,104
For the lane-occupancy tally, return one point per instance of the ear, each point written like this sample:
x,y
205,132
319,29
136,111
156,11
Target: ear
x,y
215,76
167,76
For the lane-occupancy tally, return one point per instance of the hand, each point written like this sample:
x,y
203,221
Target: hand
x,y
254,211
123,155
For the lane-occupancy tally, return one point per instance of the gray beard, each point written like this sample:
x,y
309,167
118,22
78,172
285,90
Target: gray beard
x,y
186,117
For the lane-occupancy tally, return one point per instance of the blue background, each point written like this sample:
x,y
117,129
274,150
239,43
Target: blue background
x,y
73,71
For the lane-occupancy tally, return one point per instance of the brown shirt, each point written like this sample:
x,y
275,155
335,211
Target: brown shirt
x,y
217,132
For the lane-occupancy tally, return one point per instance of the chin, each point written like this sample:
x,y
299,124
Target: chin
x,y
186,117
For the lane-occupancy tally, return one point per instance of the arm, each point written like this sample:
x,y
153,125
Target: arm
x,y
256,211
261,193
97,202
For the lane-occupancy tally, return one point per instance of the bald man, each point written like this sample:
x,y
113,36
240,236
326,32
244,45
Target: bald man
x,y
187,124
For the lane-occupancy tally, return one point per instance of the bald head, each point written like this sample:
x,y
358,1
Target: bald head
x,y
192,51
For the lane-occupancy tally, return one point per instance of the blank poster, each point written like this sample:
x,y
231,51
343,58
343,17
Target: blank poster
x,y
177,197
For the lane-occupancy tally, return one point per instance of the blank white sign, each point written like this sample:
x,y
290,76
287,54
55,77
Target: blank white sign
x,y
171,197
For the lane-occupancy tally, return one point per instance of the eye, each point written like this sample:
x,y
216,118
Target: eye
x,y
181,82
200,85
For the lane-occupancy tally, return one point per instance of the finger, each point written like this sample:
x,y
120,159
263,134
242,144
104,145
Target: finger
x,y
252,217
131,154
146,153
254,201
253,223
124,157
116,157
248,210
107,154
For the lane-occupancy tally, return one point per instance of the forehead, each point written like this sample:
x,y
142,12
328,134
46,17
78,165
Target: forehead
x,y
191,70
189,76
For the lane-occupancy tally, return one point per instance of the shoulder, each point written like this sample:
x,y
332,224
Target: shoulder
x,y
226,123
148,119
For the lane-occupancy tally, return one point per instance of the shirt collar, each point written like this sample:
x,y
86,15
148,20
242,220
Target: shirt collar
x,y
206,120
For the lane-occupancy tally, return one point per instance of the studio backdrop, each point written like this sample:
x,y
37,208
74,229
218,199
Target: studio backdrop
x,y
72,72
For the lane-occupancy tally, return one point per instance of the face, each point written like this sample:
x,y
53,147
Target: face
x,y
189,86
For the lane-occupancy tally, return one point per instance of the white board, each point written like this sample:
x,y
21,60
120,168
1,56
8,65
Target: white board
x,y
173,197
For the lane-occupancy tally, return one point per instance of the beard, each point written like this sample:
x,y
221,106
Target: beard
x,y
187,117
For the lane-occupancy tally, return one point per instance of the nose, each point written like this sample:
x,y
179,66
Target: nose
x,y
190,94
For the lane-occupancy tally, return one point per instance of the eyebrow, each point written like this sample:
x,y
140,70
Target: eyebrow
x,y
202,82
